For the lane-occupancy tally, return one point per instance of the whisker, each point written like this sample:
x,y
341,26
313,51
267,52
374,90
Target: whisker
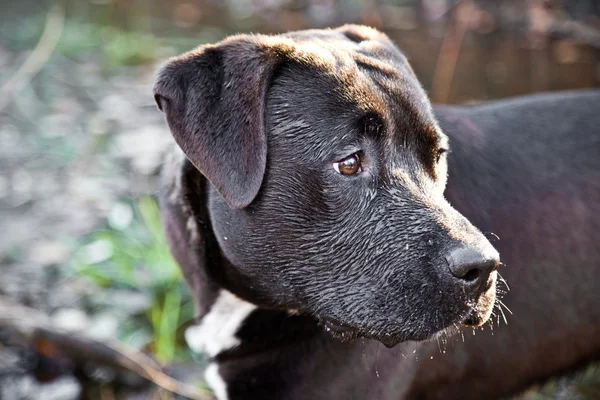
x,y
505,306
501,279
503,316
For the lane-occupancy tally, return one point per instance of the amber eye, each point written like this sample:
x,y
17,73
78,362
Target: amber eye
x,y
349,165
439,153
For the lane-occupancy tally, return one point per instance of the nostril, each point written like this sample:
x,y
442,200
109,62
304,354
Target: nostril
x,y
471,275
471,265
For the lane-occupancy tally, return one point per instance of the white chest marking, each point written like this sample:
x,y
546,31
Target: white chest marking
x,y
214,380
216,333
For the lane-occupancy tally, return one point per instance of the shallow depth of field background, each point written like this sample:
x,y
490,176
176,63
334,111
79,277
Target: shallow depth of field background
x,y
81,142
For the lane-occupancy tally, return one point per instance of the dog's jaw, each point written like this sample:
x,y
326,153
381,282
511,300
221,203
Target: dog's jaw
x,y
482,309
216,333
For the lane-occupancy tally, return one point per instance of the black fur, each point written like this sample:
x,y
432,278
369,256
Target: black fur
x,y
527,169
263,118
214,102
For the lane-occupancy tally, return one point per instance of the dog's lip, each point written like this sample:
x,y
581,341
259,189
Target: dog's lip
x,y
337,327
472,319
475,316
346,332
342,331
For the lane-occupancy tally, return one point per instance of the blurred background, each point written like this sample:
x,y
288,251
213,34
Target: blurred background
x,y
81,245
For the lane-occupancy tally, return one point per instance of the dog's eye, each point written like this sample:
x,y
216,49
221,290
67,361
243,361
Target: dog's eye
x,y
438,155
349,166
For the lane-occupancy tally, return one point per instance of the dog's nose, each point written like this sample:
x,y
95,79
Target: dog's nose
x,y
473,266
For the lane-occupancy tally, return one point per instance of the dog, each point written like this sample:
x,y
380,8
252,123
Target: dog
x,y
305,205
537,186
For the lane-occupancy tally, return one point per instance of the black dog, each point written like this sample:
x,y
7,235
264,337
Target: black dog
x,y
310,208
527,169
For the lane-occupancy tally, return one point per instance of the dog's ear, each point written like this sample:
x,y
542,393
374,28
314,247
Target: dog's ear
x,y
214,101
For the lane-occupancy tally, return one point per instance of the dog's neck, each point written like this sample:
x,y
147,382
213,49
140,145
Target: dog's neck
x,y
254,352
249,346
216,333
257,353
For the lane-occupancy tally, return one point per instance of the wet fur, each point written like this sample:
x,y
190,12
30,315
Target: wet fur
x,y
368,252
537,187
362,259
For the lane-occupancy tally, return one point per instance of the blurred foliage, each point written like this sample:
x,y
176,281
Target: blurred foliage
x,y
111,47
587,387
136,256
540,44
93,39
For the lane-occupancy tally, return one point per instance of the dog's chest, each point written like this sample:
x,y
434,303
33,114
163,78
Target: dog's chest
x,y
217,330
216,333
267,354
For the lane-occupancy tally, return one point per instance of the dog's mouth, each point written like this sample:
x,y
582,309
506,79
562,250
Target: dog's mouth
x,y
339,330
473,320
476,314
479,312
344,332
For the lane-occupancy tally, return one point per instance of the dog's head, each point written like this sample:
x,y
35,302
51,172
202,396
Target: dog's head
x,y
328,170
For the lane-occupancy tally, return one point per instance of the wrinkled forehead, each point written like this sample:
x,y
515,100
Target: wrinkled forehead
x,y
365,70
